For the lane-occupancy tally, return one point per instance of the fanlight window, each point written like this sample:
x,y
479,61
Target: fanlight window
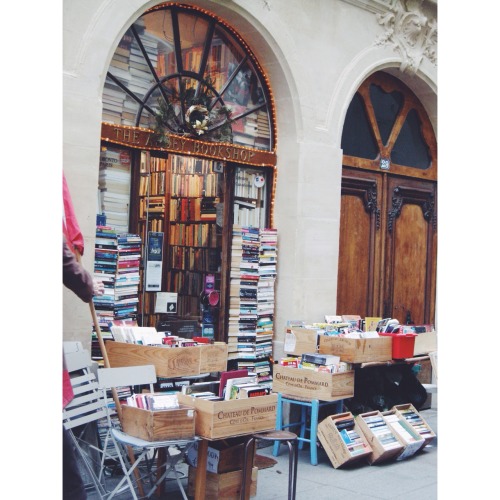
x,y
178,70
385,123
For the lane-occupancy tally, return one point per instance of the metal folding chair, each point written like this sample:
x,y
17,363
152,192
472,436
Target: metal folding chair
x,y
130,376
83,412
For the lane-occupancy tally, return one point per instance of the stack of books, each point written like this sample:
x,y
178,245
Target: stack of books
x,y
353,441
251,307
116,264
381,431
328,363
105,265
127,276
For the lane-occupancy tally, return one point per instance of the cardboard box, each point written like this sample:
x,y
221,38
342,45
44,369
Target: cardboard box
x,y
300,340
236,417
225,486
412,441
377,438
425,343
313,385
160,424
421,426
335,446
357,350
169,362
225,455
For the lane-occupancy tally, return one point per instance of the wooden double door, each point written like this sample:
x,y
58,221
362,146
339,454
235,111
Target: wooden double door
x,y
388,246
388,222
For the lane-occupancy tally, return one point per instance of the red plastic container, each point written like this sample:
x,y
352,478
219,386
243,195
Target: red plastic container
x,y
403,344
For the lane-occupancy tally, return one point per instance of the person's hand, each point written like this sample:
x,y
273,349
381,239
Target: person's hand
x,y
98,287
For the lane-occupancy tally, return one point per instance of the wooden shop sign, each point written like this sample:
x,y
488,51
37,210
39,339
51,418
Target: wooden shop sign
x,y
141,138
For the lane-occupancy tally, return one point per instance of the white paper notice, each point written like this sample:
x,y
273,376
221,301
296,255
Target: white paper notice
x,y
290,342
166,302
153,276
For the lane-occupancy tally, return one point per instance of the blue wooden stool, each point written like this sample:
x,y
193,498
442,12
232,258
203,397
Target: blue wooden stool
x,y
309,407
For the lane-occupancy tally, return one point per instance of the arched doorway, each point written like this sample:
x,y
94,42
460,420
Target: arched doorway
x,y
388,226
188,113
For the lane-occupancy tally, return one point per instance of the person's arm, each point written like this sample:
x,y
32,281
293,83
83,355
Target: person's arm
x,y
75,277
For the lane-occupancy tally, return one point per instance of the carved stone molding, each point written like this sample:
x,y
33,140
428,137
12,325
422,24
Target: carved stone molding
x,y
412,33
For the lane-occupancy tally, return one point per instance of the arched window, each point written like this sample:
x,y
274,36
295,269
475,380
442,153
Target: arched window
x,y
180,70
386,128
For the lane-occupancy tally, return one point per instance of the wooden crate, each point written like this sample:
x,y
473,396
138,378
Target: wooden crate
x,y
225,486
379,452
306,340
334,445
412,441
178,423
357,350
428,434
236,417
169,362
213,357
224,455
425,343
313,385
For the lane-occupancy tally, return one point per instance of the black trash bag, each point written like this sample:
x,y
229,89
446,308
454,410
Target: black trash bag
x,y
368,390
410,388
382,387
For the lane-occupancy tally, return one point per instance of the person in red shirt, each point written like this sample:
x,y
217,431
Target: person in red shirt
x,y
81,282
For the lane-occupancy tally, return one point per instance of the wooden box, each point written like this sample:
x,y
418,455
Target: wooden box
x,y
236,417
425,343
213,357
384,442
300,340
178,423
413,417
313,385
225,486
225,455
411,440
334,444
357,350
169,362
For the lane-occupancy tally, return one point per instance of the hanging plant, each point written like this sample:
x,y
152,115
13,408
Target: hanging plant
x,y
213,125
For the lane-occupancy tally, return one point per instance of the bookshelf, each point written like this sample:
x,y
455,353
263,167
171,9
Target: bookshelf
x,y
114,186
250,197
181,197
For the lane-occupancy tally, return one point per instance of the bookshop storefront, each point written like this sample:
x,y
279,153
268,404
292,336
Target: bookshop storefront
x,y
186,122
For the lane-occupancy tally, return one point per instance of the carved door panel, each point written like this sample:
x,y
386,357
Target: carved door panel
x,y
358,289
410,251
